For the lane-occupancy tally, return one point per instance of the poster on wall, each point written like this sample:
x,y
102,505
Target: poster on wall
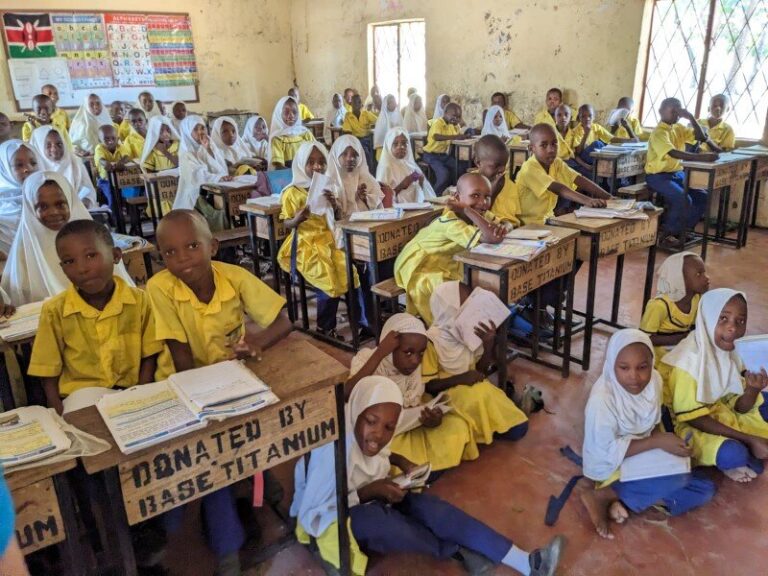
x,y
173,54
28,35
29,75
82,40
129,49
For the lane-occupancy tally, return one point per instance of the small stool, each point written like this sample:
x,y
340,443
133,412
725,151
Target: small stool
x,y
638,192
389,290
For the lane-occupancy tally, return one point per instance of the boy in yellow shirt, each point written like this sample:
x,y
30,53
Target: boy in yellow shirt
x,y
547,114
360,123
59,117
427,260
513,120
721,135
109,156
664,172
629,126
492,161
586,137
563,130
99,332
438,147
134,142
304,111
42,115
122,125
200,308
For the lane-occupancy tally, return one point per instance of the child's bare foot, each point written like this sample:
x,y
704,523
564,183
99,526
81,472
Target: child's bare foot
x,y
743,474
597,503
617,512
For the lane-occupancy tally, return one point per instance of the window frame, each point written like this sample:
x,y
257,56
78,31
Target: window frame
x,y
372,32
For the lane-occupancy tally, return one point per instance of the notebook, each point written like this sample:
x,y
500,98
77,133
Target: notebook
x,y
28,434
753,351
22,324
279,179
653,464
481,306
416,478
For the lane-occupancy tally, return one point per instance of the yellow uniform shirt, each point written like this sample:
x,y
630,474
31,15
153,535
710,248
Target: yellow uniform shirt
x,y
506,206
305,112
440,126
157,161
60,119
29,127
359,126
89,347
722,135
544,117
564,150
284,148
348,107
210,329
101,152
537,202
124,129
662,316
511,118
637,128
596,132
134,144
663,140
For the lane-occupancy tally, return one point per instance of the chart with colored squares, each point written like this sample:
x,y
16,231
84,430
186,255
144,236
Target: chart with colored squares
x,y
115,55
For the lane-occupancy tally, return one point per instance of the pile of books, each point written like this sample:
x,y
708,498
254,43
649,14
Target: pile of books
x,y
616,208
30,434
520,244
23,324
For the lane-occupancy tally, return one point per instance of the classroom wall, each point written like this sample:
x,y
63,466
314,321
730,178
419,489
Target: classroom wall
x,y
243,49
589,47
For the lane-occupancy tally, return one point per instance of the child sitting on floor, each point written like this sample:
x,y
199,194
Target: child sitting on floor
x,y
622,420
386,519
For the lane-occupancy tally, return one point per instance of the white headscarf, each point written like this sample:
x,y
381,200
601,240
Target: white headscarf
x,y
613,416
153,135
155,107
392,171
439,109
32,272
10,192
84,130
415,121
716,371
300,178
314,501
385,122
196,165
671,281
490,128
345,183
233,154
175,121
71,167
453,355
334,117
259,148
280,128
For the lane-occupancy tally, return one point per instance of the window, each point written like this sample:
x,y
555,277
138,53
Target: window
x,y
399,58
699,48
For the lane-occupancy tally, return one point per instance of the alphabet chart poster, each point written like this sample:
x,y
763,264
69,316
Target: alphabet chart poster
x,y
129,49
82,40
173,54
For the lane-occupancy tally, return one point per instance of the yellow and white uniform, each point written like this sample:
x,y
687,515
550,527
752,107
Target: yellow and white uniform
x,y
662,316
537,202
285,140
305,112
511,118
663,140
359,126
29,127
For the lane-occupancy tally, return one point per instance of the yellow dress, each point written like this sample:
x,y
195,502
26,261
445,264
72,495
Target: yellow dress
x,y
427,260
484,407
681,389
318,259
157,162
564,150
328,544
511,118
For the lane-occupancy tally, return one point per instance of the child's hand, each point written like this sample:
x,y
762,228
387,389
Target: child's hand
x,y
331,197
474,376
406,182
673,444
431,417
226,178
243,350
390,343
486,333
625,123
498,231
687,115
384,490
757,380
362,192
303,215
758,447
6,310
596,203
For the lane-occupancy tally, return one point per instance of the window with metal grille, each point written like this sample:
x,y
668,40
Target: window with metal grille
x,y
399,58
699,48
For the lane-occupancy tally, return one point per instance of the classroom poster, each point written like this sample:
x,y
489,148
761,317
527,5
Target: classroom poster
x,y
173,54
129,49
82,40
28,35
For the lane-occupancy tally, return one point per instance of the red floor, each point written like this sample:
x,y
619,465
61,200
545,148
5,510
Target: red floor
x,y
509,486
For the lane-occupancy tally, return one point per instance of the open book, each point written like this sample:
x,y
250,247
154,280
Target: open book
x,y
753,351
416,478
616,115
412,205
410,417
653,464
528,234
525,250
634,214
145,415
481,306
381,215
28,434
23,323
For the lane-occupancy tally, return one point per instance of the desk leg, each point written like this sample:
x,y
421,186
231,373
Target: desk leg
x,y
589,319
342,504
746,202
566,370
151,206
148,264
73,557
536,334
251,219
351,310
617,288
501,333
649,270
707,210
117,204
112,505
6,388
273,249
756,185
614,178
456,162
594,170
289,299
303,302
374,272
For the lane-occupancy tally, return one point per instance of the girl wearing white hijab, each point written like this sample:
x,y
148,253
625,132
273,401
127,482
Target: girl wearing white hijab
x,y
151,107
32,272
621,420
199,163
449,364
723,412
256,136
397,169
287,133
384,518
17,161
423,434
356,189
334,116
495,123
235,151
56,156
84,130
388,119
671,315
177,112
442,101
154,160
414,116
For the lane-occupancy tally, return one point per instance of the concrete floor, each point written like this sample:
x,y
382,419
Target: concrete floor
x,y
509,486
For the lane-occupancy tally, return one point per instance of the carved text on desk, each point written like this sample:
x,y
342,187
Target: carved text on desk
x,y
38,516
225,452
625,237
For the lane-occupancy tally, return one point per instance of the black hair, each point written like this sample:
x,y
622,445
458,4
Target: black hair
x,y
86,227
539,128
41,98
490,143
670,102
559,92
133,111
452,105
625,101
499,94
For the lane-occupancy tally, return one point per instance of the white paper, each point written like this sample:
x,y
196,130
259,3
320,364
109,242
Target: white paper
x,y
753,351
22,324
85,397
585,212
169,172
620,204
416,478
481,306
525,250
410,417
33,435
266,201
653,464
616,115
316,200
247,179
527,234
217,384
412,205
381,215
29,74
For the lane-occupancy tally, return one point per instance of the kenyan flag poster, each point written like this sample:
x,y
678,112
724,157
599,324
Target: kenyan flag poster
x,y
28,35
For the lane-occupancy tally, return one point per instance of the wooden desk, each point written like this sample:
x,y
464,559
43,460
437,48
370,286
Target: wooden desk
x,y
418,141
758,177
511,280
154,480
336,131
232,198
603,237
463,151
518,153
45,513
130,177
316,126
159,188
264,223
139,263
615,165
376,242
728,173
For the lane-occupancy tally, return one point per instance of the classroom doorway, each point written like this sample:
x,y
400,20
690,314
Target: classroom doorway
x,y
398,58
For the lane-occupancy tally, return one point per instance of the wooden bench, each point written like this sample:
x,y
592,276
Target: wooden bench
x,y
639,192
389,290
